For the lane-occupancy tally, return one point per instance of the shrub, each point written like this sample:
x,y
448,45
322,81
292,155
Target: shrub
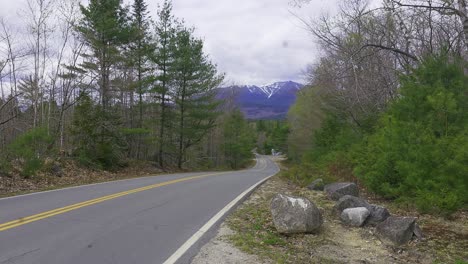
x,y
331,152
97,138
30,149
419,153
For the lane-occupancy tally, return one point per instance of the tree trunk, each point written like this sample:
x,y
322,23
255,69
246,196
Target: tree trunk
x,y
181,127
162,123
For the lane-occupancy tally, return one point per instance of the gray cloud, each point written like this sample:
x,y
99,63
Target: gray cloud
x,y
252,41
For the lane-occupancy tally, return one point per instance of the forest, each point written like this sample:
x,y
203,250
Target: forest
x,y
387,104
105,84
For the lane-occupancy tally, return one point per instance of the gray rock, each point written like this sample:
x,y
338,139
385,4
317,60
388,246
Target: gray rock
x,y
355,216
316,185
396,230
418,232
295,214
349,201
337,190
378,214
56,169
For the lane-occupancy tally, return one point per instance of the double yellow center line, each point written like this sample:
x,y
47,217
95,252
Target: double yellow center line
x,y
36,217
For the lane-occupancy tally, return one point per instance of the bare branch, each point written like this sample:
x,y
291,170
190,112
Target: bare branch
x,y
9,100
391,49
446,10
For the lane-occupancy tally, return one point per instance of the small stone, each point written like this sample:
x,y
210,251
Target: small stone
x,y
316,185
396,230
337,190
354,216
295,214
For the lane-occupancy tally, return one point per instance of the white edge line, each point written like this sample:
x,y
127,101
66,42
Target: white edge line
x,y
195,237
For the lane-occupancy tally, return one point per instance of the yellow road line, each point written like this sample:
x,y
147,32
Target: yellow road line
x,y
36,217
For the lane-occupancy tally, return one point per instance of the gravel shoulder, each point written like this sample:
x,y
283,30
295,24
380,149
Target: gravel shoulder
x,y
248,236
221,250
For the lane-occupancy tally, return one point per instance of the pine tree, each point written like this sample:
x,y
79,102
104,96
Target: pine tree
x,y
195,80
97,140
137,63
238,140
141,49
163,57
104,30
419,151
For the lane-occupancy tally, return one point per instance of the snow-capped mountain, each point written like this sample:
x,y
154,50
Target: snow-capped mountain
x,y
272,89
263,102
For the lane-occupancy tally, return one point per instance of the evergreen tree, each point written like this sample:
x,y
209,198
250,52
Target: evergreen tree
x,y
137,58
141,49
419,152
238,140
97,140
195,80
163,57
104,29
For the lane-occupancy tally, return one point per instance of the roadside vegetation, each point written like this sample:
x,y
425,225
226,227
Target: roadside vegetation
x,y
444,241
387,112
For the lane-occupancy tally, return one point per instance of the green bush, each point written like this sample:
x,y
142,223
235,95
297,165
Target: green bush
x,y
97,136
415,152
30,149
419,153
331,152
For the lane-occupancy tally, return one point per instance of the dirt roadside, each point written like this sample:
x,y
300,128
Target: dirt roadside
x,y
248,236
69,174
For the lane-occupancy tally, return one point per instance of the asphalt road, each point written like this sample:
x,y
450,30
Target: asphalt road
x,y
131,221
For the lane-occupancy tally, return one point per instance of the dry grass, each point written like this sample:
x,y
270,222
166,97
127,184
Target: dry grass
x,y
446,240
72,175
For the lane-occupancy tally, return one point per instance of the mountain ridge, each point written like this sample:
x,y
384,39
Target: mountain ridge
x,y
263,102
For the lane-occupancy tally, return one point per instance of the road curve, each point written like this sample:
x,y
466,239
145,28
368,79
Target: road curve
x,y
140,221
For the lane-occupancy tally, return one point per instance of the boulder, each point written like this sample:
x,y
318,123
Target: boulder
x,y
377,215
396,230
355,216
295,214
349,201
316,185
418,232
337,190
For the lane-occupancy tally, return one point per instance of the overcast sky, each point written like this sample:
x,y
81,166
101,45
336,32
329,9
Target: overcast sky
x,y
252,41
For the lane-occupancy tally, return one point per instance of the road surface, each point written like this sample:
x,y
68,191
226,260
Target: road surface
x,y
139,221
